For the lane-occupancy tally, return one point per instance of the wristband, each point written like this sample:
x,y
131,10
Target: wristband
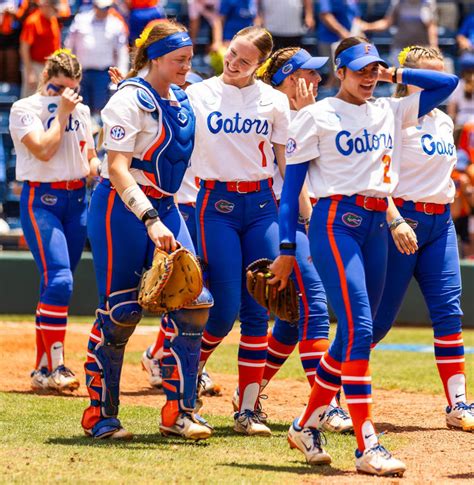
x,y
396,222
134,198
394,75
287,245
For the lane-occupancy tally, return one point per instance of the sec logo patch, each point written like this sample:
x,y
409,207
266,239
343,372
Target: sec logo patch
x,y
352,220
290,146
224,206
117,132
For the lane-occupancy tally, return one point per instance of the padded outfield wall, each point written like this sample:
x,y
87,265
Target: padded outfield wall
x,y
19,287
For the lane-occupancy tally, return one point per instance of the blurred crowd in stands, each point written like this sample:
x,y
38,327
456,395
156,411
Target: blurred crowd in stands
x,y
101,33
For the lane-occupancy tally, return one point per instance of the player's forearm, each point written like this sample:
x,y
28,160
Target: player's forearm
x,y
437,86
433,34
392,211
288,216
25,55
331,23
305,207
46,144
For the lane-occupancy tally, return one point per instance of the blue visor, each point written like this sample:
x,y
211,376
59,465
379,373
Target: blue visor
x,y
168,44
301,60
359,56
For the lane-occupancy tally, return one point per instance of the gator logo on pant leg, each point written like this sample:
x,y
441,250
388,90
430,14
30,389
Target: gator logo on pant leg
x,y
352,220
185,215
49,199
224,206
411,222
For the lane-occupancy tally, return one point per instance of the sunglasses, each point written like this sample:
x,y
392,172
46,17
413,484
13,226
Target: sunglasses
x,y
59,88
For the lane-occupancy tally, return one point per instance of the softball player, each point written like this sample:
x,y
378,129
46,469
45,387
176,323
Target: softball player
x,y
353,142
424,243
51,132
294,72
149,136
236,209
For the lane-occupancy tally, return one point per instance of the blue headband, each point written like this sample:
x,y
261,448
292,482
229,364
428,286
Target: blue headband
x,y
168,44
359,56
301,60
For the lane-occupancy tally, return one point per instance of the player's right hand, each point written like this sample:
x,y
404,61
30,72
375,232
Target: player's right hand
x,y
282,268
405,239
115,75
69,100
304,94
161,236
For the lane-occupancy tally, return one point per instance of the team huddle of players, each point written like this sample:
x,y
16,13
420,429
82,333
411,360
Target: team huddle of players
x,y
239,167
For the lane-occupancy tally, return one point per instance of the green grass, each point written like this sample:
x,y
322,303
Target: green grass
x,y
42,439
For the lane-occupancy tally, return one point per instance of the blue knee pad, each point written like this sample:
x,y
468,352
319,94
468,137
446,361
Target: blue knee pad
x,y
117,323
181,368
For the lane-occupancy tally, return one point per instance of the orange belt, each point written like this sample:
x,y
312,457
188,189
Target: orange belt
x,y
368,203
66,185
428,208
239,186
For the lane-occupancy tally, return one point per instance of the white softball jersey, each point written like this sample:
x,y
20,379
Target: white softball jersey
x,y
235,129
70,162
187,193
355,149
427,161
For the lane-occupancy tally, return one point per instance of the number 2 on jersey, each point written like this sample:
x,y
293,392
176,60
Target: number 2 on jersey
x,y
386,160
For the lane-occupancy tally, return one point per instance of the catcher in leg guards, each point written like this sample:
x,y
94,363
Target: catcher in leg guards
x,y
133,212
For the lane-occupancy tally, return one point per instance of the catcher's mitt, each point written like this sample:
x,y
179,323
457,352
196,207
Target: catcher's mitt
x,y
173,281
282,303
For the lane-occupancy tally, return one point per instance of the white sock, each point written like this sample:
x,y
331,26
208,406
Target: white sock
x,y
315,418
57,354
457,388
370,437
43,361
249,399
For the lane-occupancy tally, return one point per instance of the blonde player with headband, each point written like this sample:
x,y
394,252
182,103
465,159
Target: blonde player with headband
x,y
52,135
424,244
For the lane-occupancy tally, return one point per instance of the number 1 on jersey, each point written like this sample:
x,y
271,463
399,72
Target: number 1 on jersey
x,y
386,160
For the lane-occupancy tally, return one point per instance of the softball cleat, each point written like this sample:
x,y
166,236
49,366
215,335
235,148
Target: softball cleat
x,y
310,442
109,428
39,379
152,367
188,426
379,461
206,385
249,422
263,416
336,420
63,379
460,416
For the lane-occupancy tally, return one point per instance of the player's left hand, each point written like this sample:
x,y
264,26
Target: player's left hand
x,y
385,74
282,268
405,239
115,75
304,94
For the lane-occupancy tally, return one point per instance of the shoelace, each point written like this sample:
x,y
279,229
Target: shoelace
x,y
318,437
378,448
63,370
250,415
259,409
340,412
464,407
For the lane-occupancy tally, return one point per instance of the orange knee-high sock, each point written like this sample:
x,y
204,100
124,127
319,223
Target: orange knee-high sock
x,y
53,321
209,343
156,350
41,358
311,352
278,353
251,360
449,354
357,385
327,382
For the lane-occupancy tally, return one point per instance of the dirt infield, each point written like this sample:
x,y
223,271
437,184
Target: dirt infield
x,y
433,453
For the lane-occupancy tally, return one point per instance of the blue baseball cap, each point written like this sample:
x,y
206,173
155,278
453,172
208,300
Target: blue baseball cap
x,y
359,56
301,60
193,78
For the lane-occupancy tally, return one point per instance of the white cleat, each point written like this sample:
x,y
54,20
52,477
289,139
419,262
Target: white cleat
x,y
378,461
39,379
191,427
152,367
310,442
460,416
263,416
206,386
63,379
249,422
336,420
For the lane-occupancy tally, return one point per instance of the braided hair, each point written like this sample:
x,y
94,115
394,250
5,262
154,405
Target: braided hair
x,y
275,62
64,62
